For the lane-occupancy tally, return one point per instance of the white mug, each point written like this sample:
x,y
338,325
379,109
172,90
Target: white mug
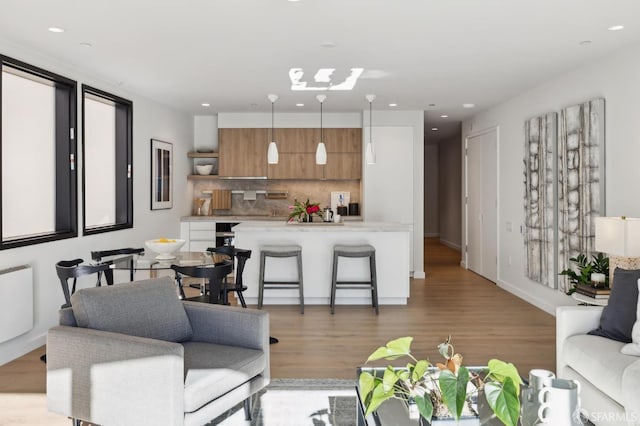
x,y
539,378
336,218
560,403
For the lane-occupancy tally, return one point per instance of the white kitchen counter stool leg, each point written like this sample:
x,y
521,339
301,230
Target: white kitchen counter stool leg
x,y
281,252
355,251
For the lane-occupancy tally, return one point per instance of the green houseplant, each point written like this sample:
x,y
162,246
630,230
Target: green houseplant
x,y
445,385
584,268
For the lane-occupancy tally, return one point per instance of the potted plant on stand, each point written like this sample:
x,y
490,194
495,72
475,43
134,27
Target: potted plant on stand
x,y
446,389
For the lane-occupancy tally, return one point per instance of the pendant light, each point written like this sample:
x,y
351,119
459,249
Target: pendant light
x,y
321,150
272,151
370,154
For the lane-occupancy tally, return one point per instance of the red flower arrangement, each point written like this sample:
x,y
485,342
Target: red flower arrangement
x,y
303,212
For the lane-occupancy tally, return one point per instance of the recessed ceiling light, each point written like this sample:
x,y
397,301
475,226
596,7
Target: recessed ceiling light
x,y
86,44
206,105
254,105
299,105
468,105
393,105
328,44
294,1
434,129
432,105
616,28
56,30
585,42
444,116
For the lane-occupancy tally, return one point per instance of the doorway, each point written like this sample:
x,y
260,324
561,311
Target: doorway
x,y
481,203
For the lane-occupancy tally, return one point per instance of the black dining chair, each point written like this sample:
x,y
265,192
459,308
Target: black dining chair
x,y
214,276
241,256
68,269
98,256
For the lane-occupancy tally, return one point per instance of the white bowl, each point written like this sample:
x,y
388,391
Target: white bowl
x,y
204,169
165,247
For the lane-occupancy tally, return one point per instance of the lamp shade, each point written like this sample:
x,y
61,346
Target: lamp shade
x,y
272,153
370,154
618,236
321,153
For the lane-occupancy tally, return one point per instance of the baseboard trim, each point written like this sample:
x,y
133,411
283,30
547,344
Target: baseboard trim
x,y
534,300
449,244
24,348
420,275
463,264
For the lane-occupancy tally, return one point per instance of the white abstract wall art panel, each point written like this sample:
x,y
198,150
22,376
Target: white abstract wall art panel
x,y
539,198
580,181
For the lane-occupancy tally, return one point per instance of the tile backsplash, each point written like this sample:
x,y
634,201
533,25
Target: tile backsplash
x,y
317,192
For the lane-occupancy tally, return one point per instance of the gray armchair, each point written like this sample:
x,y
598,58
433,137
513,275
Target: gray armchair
x,y
135,354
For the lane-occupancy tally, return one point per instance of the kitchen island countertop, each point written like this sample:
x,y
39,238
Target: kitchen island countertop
x,y
264,226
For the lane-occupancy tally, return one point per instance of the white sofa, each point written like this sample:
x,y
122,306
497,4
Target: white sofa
x,y
610,381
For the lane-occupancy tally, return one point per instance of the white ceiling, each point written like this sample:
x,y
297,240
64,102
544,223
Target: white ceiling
x,y
232,53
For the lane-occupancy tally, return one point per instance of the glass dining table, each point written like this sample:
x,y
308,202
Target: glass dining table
x,y
148,262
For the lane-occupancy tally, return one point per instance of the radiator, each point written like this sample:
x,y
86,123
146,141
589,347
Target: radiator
x,y
16,301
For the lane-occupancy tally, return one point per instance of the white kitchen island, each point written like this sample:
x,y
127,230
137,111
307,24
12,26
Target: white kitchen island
x,y
391,241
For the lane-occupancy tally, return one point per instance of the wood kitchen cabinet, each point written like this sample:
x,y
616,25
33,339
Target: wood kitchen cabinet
x,y
343,166
242,152
343,140
296,166
297,140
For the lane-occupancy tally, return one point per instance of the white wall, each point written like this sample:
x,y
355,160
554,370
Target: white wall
x,y
205,132
289,119
431,197
614,78
150,120
450,192
414,119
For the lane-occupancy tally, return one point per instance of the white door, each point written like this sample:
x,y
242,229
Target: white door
x,y
481,194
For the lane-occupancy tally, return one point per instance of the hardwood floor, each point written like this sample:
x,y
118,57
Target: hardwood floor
x,y
483,320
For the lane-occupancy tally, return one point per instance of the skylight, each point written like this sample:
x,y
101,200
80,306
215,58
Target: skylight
x,y
324,79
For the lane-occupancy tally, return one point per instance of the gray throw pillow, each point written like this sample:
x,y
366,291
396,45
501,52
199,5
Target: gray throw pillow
x,y
148,308
619,315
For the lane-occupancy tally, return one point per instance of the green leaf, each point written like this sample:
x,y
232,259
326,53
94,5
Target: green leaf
x,y
419,370
424,406
393,350
378,397
367,381
454,390
404,374
501,370
503,400
389,379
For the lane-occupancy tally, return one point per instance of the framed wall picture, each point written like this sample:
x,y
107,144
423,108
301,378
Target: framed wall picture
x,y
161,175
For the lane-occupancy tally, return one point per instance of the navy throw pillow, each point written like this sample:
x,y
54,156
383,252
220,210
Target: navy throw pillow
x,y
619,315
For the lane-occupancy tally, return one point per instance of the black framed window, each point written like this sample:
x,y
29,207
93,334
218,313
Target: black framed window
x,y
38,155
107,166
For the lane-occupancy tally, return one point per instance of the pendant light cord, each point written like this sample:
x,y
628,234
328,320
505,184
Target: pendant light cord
x,y
370,124
271,122
321,131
